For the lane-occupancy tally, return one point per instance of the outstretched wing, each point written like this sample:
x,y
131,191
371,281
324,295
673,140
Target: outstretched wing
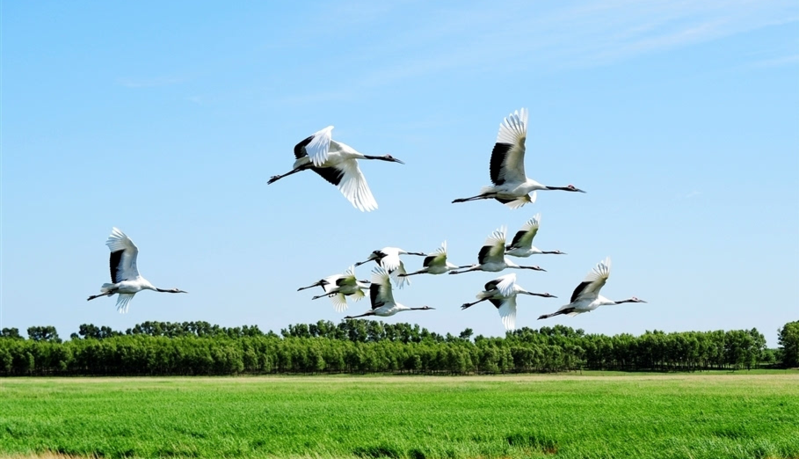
x,y
437,258
353,186
122,302
593,282
348,278
524,237
380,290
123,256
493,249
507,312
319,145
507,158
339,302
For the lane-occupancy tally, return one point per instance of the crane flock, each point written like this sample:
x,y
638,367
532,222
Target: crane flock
x,y
337,163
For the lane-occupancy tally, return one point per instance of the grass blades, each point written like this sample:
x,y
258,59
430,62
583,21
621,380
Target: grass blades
x,y
590,416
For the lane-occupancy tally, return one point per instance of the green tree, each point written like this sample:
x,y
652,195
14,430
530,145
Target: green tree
x,y
10,333
43,333
788,339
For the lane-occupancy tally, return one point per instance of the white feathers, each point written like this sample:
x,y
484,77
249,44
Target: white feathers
x,y
521,201
381,282
339,301
125,278
317,149
354,187
122,302
401,281
532,224
507,284
126,265
513,131
496,247
507,312
596,279
513,128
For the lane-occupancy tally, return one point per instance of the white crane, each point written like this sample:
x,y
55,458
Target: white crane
x,y
492,256
389,258
511,185
339,286
383,303
337,163
586,296
436,263
125,278
501,292
522,244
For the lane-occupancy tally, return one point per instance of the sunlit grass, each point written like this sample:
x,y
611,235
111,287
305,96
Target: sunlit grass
x,y
590,416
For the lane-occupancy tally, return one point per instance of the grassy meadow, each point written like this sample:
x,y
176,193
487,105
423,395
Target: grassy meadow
x,y
567,416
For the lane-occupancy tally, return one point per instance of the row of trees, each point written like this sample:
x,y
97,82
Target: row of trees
x,y
359,346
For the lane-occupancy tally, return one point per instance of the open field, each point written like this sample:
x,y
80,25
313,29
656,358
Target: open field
x,y
590,416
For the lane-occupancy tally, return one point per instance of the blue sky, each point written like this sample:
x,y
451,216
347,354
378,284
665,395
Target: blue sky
x,y
680,120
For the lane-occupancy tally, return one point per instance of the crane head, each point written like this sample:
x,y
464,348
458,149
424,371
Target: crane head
x,y
392,159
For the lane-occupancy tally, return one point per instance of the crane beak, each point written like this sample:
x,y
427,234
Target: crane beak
x,y
182,291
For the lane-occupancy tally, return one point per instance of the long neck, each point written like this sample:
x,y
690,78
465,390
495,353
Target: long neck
x,y
511,264
533,293
628,300
417,309
381,158
552,252
160,289
561,188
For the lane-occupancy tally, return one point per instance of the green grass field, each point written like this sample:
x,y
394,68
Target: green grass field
x,y
590,416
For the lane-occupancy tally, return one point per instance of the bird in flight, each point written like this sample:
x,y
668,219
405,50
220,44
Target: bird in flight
x,y
125,278
492,257
501,292
383,304
510,183
435,263
389,258
338,164
522,244
586,297
339,286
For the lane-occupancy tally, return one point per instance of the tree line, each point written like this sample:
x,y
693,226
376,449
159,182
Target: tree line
x,y
363,346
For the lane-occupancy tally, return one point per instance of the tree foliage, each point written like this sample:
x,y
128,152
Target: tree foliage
x,y
788,339
363,346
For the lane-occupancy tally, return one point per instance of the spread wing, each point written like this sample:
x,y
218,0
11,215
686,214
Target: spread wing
x,y
507,312
507,158
380,290
593,282
319,145
123,256
348,278
493,249
339,302
524,237
122,302
437,258
353,186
